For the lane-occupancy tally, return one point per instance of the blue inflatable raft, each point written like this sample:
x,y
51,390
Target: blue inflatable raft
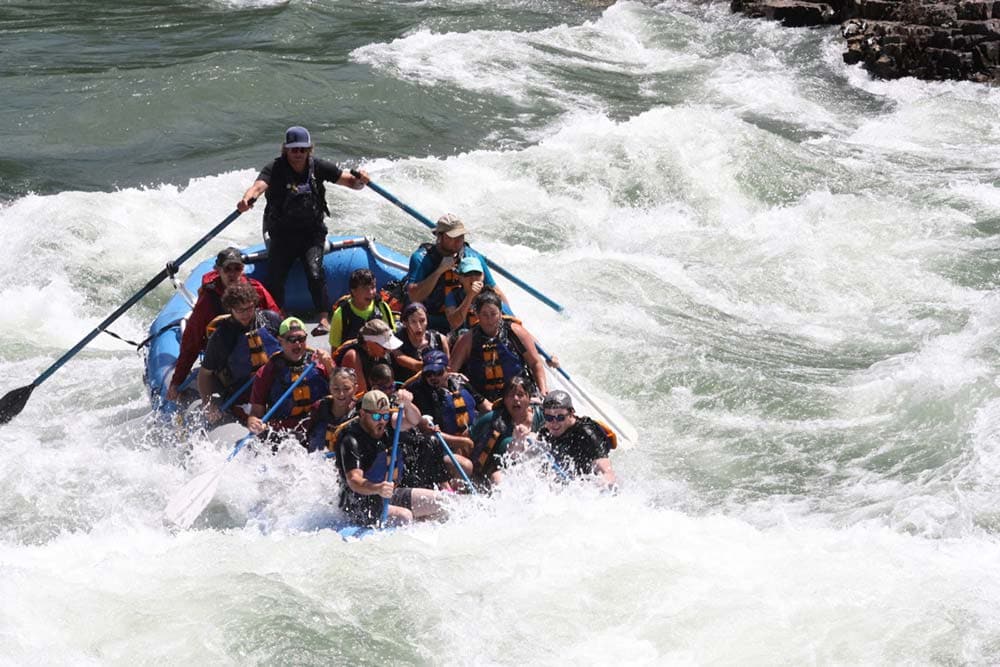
x,y
343,256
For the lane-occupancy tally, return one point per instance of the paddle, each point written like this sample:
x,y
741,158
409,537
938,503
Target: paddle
x,y
624,429
192,498
493,265
239,392
14,401
461,471
392,464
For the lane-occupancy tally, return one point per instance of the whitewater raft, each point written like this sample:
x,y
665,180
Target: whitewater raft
x,y
343,256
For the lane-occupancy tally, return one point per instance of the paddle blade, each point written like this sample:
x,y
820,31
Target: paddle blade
x,y
13,402
192,498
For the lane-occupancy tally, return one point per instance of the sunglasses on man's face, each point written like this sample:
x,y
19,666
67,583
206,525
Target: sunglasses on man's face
x,y
379,416
556,418
434,373
295,339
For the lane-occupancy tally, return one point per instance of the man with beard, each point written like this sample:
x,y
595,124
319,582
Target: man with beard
x,y
363,453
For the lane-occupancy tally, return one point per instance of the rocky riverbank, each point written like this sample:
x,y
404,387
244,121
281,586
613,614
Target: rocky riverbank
x,y
895,38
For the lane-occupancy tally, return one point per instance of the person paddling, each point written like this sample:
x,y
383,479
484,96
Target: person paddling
x,y
293,218
228,271
280,371
241,342
363,452
579,445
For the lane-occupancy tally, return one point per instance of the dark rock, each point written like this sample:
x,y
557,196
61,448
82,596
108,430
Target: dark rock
x,y
928,39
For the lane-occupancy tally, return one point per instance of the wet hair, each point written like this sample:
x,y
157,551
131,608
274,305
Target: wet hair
x,y
361,277
412,308
513,383
239,294
487,297
343,371
380,374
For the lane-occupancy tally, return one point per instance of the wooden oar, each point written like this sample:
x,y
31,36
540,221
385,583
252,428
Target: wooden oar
x,y
14,401
192,498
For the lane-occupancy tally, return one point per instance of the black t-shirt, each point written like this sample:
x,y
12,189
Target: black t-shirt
x,y
282,213
227,334
578,448
357,449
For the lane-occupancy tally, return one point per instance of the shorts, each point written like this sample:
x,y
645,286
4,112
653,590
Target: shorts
x,y
367,510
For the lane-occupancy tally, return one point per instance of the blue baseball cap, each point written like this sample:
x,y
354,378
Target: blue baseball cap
x,y
470,265
297,137
435,360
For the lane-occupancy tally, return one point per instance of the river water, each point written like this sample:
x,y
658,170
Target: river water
x,y
782,272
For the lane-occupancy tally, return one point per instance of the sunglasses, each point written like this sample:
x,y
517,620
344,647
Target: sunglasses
x,y
299,150
244,309
295,339
557,418
379,416
233,268
434,373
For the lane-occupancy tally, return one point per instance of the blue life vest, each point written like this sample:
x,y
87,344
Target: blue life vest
x,y
492,360
252,351
304,395
379,467
458,412
446,283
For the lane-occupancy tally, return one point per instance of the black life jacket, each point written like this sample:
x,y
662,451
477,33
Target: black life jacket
x,y
294,202
351,322
304,395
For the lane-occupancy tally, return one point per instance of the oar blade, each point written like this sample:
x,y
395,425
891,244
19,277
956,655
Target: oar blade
x,y
192,498
14,401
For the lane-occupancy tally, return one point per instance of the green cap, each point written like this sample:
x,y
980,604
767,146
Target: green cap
x,y
290,324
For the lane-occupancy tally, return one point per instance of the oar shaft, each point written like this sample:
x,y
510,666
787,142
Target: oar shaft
x,y
388,195
392,463
493,265
461,471
232,399
146,289
274,408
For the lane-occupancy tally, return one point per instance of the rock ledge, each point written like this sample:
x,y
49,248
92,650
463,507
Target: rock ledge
x,y
895,38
